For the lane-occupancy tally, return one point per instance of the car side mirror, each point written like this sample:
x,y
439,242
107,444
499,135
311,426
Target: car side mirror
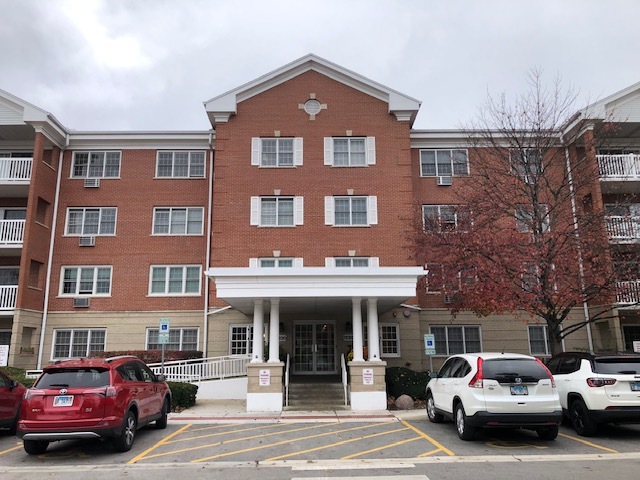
x,y
13,384
434,375
161,378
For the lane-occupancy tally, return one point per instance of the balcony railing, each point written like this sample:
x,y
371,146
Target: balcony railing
x,y
623,228
8,295
619,166
11,232
15,169
628,292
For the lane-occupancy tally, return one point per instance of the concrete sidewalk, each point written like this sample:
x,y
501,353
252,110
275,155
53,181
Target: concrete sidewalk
x,y
234,411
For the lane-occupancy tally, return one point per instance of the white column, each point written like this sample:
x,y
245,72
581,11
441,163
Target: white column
x,y
258,322
374,333
274,331
357,330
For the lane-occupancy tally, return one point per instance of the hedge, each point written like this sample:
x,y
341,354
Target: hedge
x,y
183,395
402,381
153,356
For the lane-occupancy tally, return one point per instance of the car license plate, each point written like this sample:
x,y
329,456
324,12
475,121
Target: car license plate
x,y
635,386
63,401
519,390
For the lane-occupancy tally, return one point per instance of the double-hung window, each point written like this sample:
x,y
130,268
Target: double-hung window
x,y
179,339
180,164
86,281
175,280
277,211
349,151
353,262
528,220
96,164
451,339
539,340
276,152
75,343
91,221
178,220
526,163
241,339
275,262
437,218
389,339
351,211
443,163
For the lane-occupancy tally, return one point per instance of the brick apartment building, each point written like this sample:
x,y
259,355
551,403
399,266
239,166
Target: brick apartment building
x,y
281,229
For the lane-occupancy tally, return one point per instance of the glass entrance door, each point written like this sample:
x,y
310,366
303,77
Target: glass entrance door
x,y
314,348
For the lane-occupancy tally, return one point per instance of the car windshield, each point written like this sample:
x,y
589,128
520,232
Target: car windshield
x,y
618,365
508,369
74,378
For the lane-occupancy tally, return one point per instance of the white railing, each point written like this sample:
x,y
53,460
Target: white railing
x,y
619,165
286,382
628,292
623,227
345,379
15,169
8,295
11,232
198,369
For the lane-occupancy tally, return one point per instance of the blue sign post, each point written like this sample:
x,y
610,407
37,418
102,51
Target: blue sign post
x,y
430,348
163,338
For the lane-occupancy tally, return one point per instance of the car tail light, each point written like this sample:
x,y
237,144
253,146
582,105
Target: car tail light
x,y
553,382
111,391
34,392
600,382
476,381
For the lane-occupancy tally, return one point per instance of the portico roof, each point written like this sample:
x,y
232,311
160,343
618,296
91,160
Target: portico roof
x,y
315,289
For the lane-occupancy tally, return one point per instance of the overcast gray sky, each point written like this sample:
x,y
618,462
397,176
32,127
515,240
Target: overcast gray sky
x,y
149,64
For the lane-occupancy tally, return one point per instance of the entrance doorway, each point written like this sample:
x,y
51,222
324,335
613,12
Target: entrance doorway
x,y
314,348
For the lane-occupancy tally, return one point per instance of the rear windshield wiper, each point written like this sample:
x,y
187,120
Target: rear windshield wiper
x,y
628,372
59,385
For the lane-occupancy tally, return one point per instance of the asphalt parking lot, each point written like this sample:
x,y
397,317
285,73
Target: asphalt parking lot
x,y
277,441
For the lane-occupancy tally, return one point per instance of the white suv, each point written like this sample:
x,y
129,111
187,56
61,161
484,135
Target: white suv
x,y
494,390
596,389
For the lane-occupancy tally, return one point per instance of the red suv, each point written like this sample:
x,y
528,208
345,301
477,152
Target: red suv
x,y
93,398
11,393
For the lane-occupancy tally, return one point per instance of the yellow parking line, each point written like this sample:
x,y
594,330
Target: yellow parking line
x,y
426,454
11,449
427,437
216,427
216,434
381,448
589,443
287,441
161,442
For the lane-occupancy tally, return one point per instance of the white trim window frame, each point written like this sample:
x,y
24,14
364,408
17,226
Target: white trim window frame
x,y
180,164
351,211
78,342
526,163
438,218
538,337
277,211
96,164
180,338
277,152
175,280
389,340
350,151
352,262
172,221
444,162
274,262
453,339
98,221
86,281
525,218
241,338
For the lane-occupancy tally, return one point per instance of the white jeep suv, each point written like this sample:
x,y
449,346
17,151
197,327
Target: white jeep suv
x,y
479,390
597,388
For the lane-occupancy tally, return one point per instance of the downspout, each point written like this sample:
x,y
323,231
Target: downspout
x,y
205,335
585,307
45,310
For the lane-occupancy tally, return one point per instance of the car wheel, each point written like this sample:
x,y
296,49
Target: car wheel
x,y
548,433
35,447
432,415
162,421
582,422
124,442
465,431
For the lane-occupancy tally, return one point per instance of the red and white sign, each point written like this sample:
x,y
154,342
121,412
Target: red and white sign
x,y
367,376
265,378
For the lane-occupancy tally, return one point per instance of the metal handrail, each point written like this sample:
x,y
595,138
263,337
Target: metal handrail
x,y
345,379
286,382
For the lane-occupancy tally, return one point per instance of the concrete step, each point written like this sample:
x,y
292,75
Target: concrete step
x,y
316,396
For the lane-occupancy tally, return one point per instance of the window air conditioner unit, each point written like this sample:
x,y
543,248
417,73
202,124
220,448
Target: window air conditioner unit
x,y
81,302
87,241
91,182
444,181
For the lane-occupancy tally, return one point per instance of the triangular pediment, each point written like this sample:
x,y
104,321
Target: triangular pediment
x,y
622,106
220,108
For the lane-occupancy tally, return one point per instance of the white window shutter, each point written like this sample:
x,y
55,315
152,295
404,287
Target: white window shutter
x,y
328,211
328,150
256,150
297,151
255,210
373,210
371,150
298,210
298,262
253,263
329,262
374,261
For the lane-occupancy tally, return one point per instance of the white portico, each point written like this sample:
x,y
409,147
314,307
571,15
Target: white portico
x,y
325,291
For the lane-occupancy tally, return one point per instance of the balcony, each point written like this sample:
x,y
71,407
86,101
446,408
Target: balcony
x,y
8,294
619,168
623,229
11,233
15,176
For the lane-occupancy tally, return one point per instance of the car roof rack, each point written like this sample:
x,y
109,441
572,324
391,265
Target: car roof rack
x,y
119,357
71,359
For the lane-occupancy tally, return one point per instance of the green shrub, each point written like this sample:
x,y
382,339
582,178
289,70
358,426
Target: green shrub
x,y
153,356
402,381
18,375
183,395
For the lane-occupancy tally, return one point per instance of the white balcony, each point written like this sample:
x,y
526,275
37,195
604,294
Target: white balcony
x,y
628,293
8,294
623,229
15,169
11,233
